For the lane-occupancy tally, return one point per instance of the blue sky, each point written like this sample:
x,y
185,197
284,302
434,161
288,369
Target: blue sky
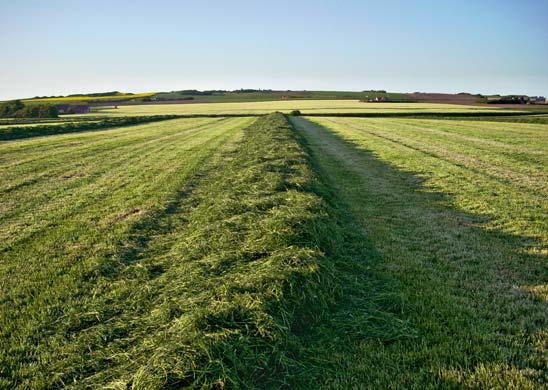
x,y
480,46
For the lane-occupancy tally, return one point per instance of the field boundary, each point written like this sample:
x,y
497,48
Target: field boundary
x,y
18,132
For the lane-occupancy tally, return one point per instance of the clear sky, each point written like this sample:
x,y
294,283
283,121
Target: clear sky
x,y
481,46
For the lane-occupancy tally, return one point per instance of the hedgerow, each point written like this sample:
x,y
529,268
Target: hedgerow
x,y
17,132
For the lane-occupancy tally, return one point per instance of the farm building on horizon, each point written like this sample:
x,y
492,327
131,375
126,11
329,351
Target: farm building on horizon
x,y
537,99
516,99
376,99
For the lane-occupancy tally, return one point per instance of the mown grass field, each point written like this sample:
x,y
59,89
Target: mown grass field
x,y
69,212
275,252
457,213
306,106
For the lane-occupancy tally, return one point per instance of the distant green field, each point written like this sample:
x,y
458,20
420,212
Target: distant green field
x,y
306,106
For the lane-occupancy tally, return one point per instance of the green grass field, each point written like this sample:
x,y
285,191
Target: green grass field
x,y
456,212
70,211
306,106
276,252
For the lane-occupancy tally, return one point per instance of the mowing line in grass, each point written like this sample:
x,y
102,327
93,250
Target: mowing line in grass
x,y
80,176
514,170
516,203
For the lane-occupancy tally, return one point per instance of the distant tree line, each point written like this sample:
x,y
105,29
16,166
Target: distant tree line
x,y
113,93
251,90
195,92
97,94
165,99
516,99
48,97
17,109
470,94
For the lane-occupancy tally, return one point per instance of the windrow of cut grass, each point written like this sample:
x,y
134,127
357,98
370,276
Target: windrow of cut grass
x,y
90,99
23,125
7,122
241,272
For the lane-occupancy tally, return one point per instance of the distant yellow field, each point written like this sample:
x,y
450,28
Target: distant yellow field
x,y
305,106
122,96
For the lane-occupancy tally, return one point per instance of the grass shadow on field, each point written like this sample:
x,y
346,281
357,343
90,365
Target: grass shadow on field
x,y
456,302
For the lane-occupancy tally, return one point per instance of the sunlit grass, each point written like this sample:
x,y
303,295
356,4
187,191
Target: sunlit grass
x,y
305,106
